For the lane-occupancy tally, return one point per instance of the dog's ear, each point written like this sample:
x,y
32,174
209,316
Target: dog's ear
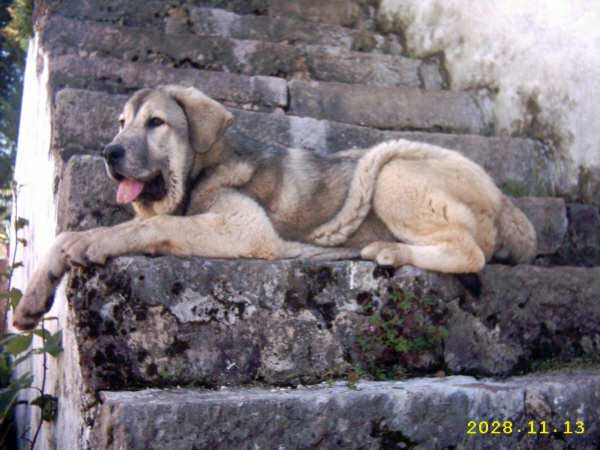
x,y
207,119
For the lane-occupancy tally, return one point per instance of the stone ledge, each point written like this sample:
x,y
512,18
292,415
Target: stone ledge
x,y
175,321
125,77
388,108
132,12
582,245
218,53
281,29
420,414
347,13
549,218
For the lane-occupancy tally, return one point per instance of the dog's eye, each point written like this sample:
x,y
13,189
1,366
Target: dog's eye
x,y
121,123
154,122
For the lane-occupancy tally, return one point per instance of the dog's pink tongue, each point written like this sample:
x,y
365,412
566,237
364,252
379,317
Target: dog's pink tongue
x,y
129,190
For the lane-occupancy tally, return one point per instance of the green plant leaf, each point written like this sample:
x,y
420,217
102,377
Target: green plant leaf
x,y
48,404
9,394
7,398
43,333
5,370
53,344
5,338
22,358
18,343
14,297
21,223
405,305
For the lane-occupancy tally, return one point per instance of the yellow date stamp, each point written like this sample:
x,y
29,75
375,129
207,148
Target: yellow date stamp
x,y
485,427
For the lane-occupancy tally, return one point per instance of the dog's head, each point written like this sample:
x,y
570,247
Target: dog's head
x,y
165,134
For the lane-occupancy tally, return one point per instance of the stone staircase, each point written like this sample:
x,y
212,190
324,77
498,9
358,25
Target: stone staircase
x,y
188,353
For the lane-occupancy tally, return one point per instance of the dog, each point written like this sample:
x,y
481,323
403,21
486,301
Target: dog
x,y
194,193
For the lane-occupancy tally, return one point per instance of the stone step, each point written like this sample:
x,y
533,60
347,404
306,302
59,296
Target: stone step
x,y
215,21
346,13
582,244
426,413
113,75
249,57
372,106
170,321
390,109
131,13
519,166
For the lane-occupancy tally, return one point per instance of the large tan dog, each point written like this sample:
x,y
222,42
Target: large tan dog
x,y
397,203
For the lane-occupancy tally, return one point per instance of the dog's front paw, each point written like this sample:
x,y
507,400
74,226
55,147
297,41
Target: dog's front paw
x,y
36,302
97,252
85,248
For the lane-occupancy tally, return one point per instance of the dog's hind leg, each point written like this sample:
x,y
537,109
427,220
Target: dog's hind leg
x,y
452,251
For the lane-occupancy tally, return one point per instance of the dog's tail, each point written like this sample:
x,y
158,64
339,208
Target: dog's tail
x,y
518,237
360,193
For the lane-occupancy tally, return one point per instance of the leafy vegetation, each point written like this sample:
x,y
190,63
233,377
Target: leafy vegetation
x,y
17,348
404,332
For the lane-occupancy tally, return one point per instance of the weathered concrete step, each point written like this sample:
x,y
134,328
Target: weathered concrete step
x,y
582,245
348,13
214,21
248,57
425,413
131,13
519,166
256,92
389,108
173,321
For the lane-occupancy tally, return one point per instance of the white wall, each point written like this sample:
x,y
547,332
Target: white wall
x,y
35,172
545,52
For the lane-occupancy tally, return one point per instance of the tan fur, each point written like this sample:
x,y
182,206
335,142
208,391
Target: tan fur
x,y
401,202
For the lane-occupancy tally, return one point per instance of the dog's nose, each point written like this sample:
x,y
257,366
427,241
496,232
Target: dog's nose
x,y
113,153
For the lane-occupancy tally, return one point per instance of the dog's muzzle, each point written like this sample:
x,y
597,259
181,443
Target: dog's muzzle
x,y
113,154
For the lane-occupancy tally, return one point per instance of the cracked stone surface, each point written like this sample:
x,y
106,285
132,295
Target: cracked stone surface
x,y
385,415
282,29
171,321
243,56
388,109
